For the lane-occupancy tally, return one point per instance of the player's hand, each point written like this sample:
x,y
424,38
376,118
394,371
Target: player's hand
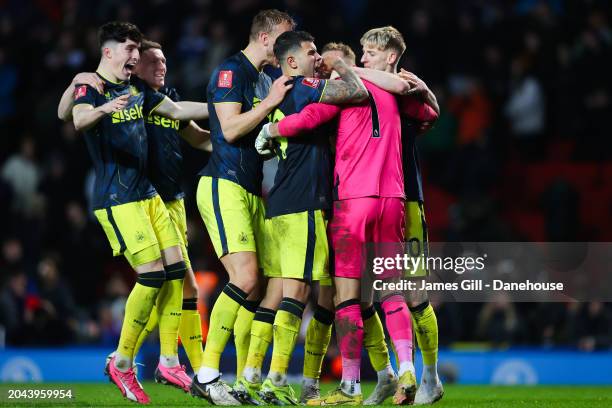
x,y
278,90
263,142
417,85
89,78
116,104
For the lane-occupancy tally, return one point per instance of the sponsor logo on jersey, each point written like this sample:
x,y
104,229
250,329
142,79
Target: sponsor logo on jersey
x,y
125,115
163,122
225,79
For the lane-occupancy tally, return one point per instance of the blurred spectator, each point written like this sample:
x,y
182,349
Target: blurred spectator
x,y
554,98
525,111
22,173
498,321
590,327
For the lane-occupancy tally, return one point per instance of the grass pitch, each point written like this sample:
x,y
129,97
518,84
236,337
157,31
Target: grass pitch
x,y
107,395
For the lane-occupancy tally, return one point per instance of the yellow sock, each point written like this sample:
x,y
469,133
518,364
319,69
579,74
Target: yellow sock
x,y
286,331
222,319
426,327
374,339
242,333
318,336
138,310
169,305
261,337
151,325
190,332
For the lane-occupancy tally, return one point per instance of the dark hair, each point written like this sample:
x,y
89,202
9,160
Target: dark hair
x,y
148,44
119,31
290,40
265,21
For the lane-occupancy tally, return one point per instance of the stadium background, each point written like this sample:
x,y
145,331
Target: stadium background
x,y
519,153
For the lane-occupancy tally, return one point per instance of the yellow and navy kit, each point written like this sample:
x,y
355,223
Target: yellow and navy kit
x,y
236,81
413,185
304,175
165,155
118,143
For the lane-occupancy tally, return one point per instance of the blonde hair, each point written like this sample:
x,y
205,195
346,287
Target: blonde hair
x,y
385,38
346,50
266,20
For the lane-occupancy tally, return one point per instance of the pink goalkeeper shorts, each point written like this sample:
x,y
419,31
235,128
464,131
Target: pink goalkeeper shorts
x,y
360,221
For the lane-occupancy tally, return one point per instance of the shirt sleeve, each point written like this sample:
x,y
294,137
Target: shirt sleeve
x,y
84,95
415,109
227,84
173,94
308,119
152,100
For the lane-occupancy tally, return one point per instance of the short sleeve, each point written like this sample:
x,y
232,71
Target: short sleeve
x,y
173,94
84,95
227,84
314,87
152,99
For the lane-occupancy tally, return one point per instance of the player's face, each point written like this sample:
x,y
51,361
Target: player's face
x,y
308,59
278,30
325,69
375,58
124,57
152,68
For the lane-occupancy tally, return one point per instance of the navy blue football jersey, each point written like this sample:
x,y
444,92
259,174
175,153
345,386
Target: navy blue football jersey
x,y
118,143
304,176
236,80
165,154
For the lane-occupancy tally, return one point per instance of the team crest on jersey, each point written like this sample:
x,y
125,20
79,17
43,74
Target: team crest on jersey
x,y
80,91
311,82
243,238
133,90
225,79
140,236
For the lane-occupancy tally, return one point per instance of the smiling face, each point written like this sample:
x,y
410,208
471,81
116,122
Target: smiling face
x,y
152,68
121,58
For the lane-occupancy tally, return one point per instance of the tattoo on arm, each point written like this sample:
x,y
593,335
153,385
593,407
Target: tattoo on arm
x,y
349,89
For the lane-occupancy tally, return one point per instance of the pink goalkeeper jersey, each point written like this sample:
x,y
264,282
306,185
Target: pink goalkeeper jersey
x,y
368,145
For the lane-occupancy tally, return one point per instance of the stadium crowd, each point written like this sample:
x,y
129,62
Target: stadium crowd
x,y
517,154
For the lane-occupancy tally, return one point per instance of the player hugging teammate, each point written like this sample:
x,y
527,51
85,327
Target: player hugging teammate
x,y
272,252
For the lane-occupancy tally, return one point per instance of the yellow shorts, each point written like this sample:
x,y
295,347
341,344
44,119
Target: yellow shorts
x,y
297,247
416,236
139,230
178,216
233,217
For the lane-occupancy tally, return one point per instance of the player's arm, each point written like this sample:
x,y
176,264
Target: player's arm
x,y
84,115
348,90
387,81
420,89
197,137
235,124
308,119
64,109
184,110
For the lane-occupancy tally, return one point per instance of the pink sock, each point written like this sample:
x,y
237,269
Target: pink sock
x,y
349,330
399,326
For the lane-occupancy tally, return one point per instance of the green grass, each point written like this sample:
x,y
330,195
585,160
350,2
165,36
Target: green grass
x,y
106,395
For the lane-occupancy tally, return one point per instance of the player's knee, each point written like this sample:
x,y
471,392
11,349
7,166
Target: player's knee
x,y
296,289
153,266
